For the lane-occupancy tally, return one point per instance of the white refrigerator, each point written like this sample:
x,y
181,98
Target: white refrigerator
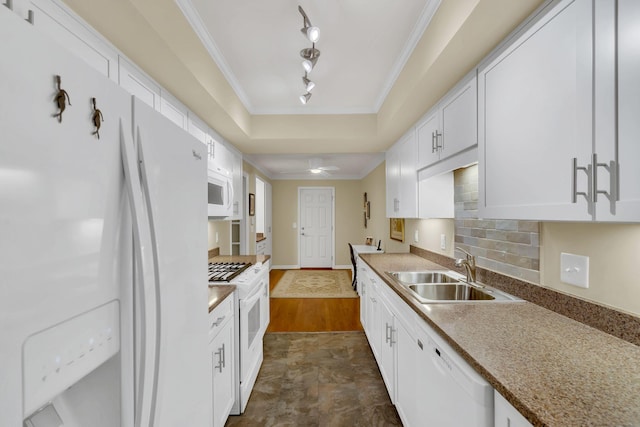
x,y
103,311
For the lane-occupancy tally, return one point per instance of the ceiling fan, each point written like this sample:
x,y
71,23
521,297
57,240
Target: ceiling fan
x,y
316,168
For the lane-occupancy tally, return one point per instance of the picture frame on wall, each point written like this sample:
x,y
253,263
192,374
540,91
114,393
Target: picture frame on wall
x,y
396,229
252,204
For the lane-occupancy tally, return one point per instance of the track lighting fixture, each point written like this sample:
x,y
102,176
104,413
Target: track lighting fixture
x,y
309,55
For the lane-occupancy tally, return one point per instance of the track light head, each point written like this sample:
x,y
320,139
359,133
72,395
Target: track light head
x,y
308,84
312,33
310,56
305,98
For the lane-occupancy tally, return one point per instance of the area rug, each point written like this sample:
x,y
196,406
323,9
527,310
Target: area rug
x,y
315,284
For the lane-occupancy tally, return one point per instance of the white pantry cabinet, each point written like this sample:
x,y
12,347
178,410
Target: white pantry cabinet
x,y
236,173
222,348
506,415
402,178
451,126
556,133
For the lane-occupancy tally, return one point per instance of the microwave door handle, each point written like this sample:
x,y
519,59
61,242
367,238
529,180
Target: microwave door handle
x,y
230,192
156,276
142,244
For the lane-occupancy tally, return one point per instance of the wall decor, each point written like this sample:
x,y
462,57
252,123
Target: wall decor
x,y
365,220
252,204
396,229
61,99
368,210
96,118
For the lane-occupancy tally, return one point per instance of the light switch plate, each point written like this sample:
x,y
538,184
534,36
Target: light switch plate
x,y
415,236
443,242
574,270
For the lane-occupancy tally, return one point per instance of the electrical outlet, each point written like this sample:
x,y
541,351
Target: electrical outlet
x,y
415,236
574,270
443,242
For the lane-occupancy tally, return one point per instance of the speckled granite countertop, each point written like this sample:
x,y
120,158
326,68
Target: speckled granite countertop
x,y
217,294
554,370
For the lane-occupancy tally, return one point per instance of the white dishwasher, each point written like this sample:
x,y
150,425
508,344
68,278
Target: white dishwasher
x,y
455,394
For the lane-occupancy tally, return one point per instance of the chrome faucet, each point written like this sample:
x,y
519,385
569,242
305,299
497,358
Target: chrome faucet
x,y
469,264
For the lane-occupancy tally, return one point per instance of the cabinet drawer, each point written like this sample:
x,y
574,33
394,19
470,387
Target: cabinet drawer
x,y
220,316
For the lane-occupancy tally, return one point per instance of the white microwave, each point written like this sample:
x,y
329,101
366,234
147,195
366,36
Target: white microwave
x,y
220,192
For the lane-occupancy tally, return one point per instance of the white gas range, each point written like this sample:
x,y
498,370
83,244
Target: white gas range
x,y
252,319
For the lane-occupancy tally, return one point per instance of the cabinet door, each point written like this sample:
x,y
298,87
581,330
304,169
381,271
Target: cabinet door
x,y
373,318
459,120
506,415
535,103
392,168
137,83
624,150
223,359
407,396
408,205
426,131
388,337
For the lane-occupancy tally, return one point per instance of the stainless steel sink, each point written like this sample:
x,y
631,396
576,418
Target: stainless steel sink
x,y
430,276
449,292
438,286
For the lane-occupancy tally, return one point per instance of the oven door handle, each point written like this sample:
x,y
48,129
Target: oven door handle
x,y
254,296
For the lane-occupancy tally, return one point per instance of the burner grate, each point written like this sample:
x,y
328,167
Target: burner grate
x,y
225,271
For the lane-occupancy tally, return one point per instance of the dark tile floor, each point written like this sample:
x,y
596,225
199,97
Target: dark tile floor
x,y
318,379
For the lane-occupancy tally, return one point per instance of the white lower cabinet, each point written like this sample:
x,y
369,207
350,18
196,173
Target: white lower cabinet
x,y
427,381
222,348
386,355
407,373
506,415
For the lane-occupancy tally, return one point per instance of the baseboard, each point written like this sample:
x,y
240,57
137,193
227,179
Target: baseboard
x,y
297,267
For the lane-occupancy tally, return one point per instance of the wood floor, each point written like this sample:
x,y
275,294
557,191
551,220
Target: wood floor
x,y
312,314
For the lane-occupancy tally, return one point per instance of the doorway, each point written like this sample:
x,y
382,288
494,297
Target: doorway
x,y
316,212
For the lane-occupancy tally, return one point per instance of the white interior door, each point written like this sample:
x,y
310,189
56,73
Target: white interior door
x,y
316,227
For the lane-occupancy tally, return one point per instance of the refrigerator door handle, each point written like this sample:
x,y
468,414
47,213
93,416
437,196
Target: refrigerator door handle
x,y
156,276
144,405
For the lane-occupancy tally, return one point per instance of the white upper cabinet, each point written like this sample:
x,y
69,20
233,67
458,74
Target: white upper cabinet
x,y
402,178
174,110
551,133
64,27
137,83
617,177
451,126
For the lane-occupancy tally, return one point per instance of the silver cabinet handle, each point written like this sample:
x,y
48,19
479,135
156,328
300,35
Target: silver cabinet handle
x,y
420,345
219,353
612,167
433,142
439,146
218,321
224,357
574,182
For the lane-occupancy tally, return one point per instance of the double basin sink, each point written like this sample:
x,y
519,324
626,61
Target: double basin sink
x,y
433,286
